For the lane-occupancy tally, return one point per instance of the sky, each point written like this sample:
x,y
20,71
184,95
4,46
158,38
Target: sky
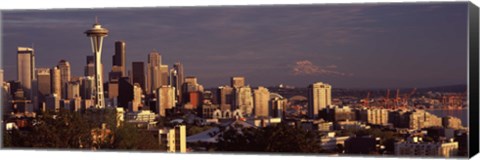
x,y
346,45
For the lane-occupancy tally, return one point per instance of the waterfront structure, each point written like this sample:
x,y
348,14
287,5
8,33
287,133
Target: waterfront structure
x,y
418,119
319,97
96,34
166,99
261,98
414,146
452,122
375,116
65,76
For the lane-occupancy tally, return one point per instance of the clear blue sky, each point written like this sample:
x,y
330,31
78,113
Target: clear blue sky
x,y
347,45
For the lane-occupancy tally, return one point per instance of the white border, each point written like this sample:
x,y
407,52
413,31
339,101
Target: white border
x,y
53,4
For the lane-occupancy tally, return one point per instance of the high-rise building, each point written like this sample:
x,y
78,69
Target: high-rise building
x,y
178,80
119,58
278,105
90,67
138,74
56,84
225,97
261,98
26,69
237,82
244,100
166,99
137,98
44,81
52,103
115,74
153,71
65,76
125,92
164,75
87,85
319,97
73,89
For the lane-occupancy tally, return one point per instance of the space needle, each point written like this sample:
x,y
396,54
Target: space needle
x,y
96,34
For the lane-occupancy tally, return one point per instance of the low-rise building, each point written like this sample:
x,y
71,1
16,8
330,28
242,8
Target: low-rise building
x,y
414,146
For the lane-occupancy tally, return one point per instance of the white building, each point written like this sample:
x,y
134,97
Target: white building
x,y
416,147
319,97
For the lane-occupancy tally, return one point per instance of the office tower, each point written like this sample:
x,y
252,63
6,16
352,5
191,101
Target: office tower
x,y
137,98
225,97
261,98
237,82
76,104
44,85
96,34
125,92
113,90
278,105
56,84
178,80
87,85
73,89
153,71
138,74
115,74
119,58
244,100
26,69
319,97
64,67
44,81
165,99
52,103
163,75
90,67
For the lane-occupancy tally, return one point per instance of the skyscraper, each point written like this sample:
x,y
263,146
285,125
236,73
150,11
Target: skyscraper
x,y
163,75
44,84
87,85
90,67
26,69
65,76
237,82
178,80
73,90
153,71
261,96
119,58
137,98
166,99
319,97
125,92
138,74
244,100
225,97
56,84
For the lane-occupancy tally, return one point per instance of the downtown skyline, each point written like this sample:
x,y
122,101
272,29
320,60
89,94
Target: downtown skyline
x,y
344,45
